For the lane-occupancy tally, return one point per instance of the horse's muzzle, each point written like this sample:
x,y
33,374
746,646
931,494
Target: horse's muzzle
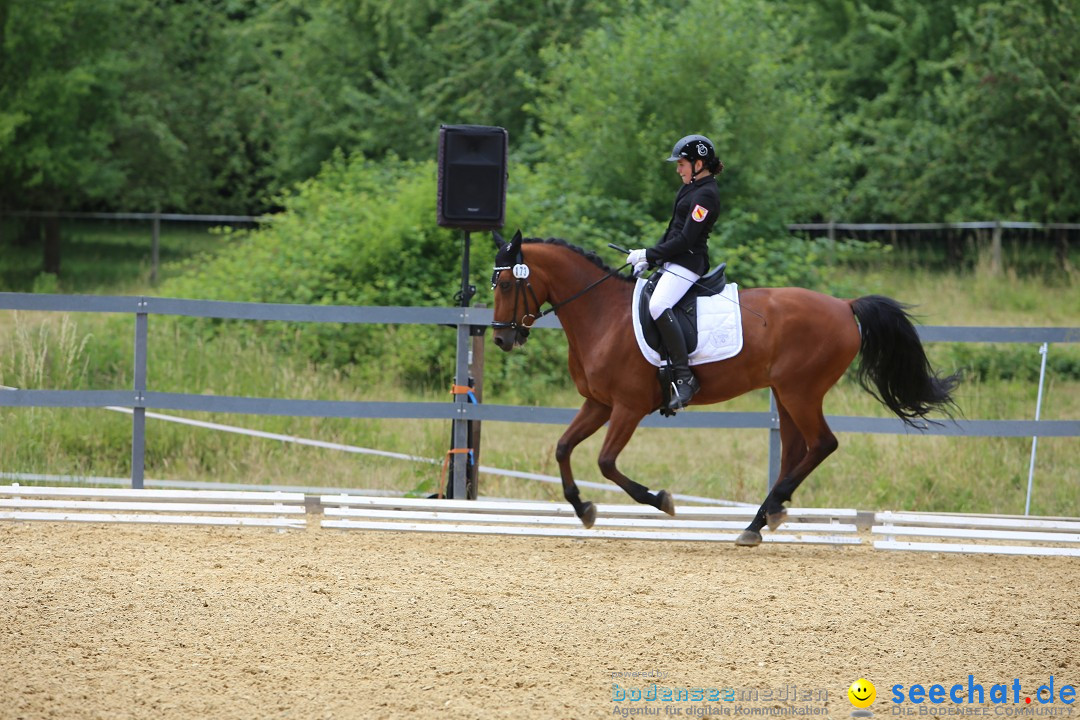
x,y
509,338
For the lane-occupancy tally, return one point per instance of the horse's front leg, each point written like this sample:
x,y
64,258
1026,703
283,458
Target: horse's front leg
x,y
587,421
623,424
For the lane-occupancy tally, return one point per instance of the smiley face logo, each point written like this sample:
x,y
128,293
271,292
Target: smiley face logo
x,y
862,693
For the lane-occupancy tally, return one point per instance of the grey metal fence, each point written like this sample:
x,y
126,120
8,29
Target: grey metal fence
x,y
140,397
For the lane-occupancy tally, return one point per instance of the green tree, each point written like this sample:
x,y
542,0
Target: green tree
x,y
60,91
378,76
610,110
949,111
131,105
1011,105
192,132
881,60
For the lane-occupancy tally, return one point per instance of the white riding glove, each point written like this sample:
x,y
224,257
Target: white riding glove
x,y
638,260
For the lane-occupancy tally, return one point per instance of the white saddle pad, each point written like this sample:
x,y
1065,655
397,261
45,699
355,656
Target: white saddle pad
x,y
719,322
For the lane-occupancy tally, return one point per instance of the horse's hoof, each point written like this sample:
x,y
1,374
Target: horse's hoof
x,y
588,515
748,538
665,502
776,519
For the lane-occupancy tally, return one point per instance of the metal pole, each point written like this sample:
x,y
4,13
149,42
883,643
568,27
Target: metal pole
x,y
154,248
774,441
832,240
138,421
476,372
1035,440
461,427
995,249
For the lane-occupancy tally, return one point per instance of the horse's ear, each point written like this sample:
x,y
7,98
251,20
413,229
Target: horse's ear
x,y
517,239
497,239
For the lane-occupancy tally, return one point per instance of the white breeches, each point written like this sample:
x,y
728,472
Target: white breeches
x,y
672,285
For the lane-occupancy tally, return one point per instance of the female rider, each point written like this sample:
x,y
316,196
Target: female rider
x,y
683,252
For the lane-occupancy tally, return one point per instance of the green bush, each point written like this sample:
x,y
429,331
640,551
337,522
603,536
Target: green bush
x,y
1012,361
359,234
46,283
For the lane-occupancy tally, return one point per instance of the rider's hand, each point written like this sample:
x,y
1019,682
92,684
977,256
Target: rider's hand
x,y
640,268
635,257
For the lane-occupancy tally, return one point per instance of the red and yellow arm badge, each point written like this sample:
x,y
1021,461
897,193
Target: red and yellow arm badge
x,y
699,213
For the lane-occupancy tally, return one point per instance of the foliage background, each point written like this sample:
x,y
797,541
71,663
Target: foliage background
x,y
850,109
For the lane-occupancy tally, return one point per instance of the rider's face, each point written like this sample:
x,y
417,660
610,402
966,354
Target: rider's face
x,y
684,169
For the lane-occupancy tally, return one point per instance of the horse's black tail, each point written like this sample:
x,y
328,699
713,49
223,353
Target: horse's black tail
x,y
894,367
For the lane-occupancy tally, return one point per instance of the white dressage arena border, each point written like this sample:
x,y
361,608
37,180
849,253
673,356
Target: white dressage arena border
x,y
933,532
557,519
977,534
279,510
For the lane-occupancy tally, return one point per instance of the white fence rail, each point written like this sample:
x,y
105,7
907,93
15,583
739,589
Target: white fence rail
x,y
171,507
977,534
544,519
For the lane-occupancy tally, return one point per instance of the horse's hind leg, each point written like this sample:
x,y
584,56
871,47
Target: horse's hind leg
x,y
587,421
620,430
793,450
807,441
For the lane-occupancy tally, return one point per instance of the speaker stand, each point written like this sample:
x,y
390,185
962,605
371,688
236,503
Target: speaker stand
x,y
460,432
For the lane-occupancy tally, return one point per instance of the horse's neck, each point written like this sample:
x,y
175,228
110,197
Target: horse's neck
x,y
589,316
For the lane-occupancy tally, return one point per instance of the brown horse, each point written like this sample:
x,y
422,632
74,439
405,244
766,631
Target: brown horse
x,y
797,342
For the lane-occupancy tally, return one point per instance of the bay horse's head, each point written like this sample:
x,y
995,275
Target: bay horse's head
x,y
518,294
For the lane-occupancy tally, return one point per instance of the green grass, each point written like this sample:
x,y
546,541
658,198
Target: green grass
x,y
869,471
105,257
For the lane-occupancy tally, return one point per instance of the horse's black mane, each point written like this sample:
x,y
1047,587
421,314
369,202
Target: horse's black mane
x,y
587,254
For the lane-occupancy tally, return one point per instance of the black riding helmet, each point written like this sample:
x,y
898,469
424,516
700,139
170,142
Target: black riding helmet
x,y
693,148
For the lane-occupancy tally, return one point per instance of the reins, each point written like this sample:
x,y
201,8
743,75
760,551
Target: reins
x,y
579,293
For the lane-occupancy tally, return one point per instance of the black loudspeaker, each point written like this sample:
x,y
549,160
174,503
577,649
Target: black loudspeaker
x,y
472,176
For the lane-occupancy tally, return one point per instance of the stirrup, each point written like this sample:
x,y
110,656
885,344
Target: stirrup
x,y
677,402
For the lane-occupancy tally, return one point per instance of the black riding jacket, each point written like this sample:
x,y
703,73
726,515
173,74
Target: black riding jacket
x,y
686,240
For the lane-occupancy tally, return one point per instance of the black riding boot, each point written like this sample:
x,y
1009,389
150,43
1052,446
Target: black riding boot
x,y
685,384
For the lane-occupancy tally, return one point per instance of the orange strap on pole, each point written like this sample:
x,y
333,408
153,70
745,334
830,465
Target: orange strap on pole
x,y
446,464
454,390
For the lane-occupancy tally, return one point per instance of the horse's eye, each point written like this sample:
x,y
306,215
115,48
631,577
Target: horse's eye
x,y
504,286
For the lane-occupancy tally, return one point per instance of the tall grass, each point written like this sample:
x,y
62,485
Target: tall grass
x,y
47,353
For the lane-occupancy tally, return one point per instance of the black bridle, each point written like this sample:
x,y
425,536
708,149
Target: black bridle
x,y
523,290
